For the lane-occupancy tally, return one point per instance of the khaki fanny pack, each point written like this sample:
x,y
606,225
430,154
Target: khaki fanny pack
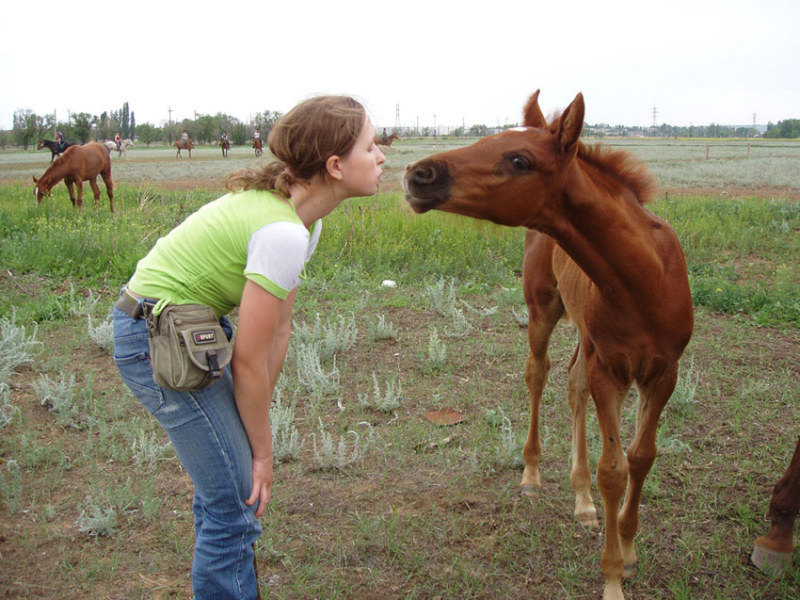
x,y
188,347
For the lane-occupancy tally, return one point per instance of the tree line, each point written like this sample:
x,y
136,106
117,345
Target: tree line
x,y
29,127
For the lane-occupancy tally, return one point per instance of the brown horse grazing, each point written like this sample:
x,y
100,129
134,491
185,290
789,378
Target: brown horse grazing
x,y
258,145
225,145
379,139
773,552
76,165
593,254
181,145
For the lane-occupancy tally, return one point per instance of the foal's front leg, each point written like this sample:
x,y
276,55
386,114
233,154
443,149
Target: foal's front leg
x,y
612,469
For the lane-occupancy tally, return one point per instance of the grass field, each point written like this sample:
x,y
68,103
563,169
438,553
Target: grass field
x,y
372,500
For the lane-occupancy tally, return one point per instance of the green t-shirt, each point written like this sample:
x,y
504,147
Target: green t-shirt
x,y
208,258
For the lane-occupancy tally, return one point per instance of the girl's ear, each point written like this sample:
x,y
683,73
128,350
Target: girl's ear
x,y
334,167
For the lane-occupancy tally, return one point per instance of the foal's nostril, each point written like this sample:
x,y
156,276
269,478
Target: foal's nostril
x,y
425,174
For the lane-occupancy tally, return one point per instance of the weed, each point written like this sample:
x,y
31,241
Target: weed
x,y
336,456
310,373
285,437
442,299
103,334
17,347
96,521
387,401
330,338
381,330
11,486
437,351
7,410
147,451
58,396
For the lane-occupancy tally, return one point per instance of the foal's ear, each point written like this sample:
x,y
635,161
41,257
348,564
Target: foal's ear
x,y
569,126
34,179
533,116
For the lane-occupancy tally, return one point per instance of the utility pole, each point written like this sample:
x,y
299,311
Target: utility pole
x,y
655,117
397,117
169,125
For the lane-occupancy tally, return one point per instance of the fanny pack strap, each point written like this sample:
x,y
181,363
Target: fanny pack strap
x,y
136,308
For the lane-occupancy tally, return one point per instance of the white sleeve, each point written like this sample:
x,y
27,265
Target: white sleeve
x,y
278,252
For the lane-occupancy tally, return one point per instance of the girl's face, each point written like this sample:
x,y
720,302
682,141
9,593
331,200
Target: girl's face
x,y
361,167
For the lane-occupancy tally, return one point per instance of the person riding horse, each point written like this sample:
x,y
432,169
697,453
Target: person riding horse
x,y
384,137
118,141
62,143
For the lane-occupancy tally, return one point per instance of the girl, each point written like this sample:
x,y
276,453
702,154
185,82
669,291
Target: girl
x,y
247,249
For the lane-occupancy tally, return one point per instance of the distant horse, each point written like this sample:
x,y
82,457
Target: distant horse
x,y
53,147
78,164
123,147
258,145
181,145
772,552
596,256
389,140
225,145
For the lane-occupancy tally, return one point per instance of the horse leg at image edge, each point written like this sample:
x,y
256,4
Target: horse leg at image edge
x,y
772,553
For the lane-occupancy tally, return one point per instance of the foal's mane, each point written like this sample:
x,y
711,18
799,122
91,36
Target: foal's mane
x,y
623,166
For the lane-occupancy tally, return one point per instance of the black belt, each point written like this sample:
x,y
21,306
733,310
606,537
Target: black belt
x,y
132,306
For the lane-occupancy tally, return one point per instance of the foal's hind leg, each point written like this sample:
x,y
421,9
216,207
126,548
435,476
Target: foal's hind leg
x,y
544,315
581,476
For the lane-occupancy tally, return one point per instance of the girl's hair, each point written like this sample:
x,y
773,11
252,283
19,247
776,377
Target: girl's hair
x,y
302,141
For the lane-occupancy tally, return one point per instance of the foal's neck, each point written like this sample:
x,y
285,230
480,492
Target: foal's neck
x,y
601,224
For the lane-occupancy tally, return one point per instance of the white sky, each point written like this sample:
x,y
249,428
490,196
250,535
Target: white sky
x,y
444,62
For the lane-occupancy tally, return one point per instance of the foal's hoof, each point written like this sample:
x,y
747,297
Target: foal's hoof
x,y
588,518
630,570
771,562
529,490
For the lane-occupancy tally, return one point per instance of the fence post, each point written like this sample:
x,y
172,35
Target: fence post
x,y
706,151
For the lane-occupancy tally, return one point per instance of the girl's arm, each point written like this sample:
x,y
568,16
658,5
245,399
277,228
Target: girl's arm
x,y
262,338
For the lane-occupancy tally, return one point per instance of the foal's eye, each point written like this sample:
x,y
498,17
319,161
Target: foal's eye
x,y
521,163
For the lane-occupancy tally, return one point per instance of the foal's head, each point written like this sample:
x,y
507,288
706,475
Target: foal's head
x,y
505,178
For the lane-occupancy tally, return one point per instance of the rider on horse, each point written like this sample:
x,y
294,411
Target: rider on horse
x,y
118,141
62,143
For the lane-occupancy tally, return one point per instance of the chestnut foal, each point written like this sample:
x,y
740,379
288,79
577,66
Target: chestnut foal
x,y
594,255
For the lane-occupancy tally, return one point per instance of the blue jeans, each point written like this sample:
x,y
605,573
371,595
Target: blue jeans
x,y
210,441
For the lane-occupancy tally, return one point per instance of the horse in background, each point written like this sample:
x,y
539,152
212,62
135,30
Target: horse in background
x,y
772,553
593,254
181,145
258,145
388,141
54,148
122,149
76,165
225,145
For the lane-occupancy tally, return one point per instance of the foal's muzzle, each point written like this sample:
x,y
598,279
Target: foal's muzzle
x,y
427,184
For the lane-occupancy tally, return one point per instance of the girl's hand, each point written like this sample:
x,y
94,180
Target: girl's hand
x,y
262,484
